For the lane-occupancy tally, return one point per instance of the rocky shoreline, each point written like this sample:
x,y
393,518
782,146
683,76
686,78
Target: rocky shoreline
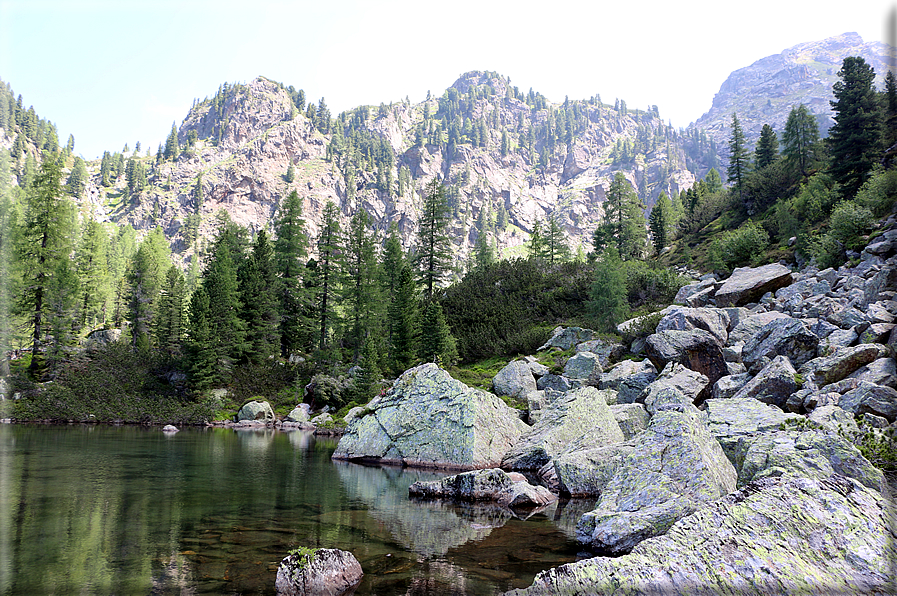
x,y
723,451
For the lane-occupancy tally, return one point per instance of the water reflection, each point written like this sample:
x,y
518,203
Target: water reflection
x,y
102,510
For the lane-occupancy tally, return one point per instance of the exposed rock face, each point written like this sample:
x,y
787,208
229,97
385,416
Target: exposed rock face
x,y
485,485
325,572
774,536
429,419
581,414
675,468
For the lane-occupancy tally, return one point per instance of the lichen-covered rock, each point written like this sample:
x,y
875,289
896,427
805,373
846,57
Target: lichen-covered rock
x,y
585,472
581,414
632,418
689,383
869,398
318,572
298,414
516,380
584,365
555,383
812,453
697,349
772,385
566,338
629,379
748,284
839,364
256,410
713,320
881,371
729,420
835,419
751,325
429,419
780,337
675,468
729,385
775,536
608,352
493,485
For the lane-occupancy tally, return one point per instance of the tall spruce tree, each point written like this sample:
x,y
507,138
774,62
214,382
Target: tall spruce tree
x,y
291,256
436,343
434,247
146,276
330,254
403,321
623,225
170,327
767,150
91,262
361,292
800,139
172,149
259,292
855,137
659,222
738,158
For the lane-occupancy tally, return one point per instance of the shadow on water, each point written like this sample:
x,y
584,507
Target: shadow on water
x,y
101,510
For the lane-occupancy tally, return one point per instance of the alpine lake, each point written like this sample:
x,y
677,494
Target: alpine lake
x,y
88,509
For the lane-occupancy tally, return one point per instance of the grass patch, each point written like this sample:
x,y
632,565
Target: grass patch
x,y
479,374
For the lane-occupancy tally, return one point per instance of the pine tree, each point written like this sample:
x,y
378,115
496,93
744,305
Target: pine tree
x,y
623,225
607,304
433,257
403,321
290,255
855,137
43,253
800,139
172,149
555,244
146,276
659,222
713,181
536,245
767,147
170,327
259,292
483,252
77,178
330,254
738,158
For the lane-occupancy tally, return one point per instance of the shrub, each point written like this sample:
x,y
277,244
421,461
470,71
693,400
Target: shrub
x,y
849,220
738,247
324,390
650,285
816,198
879,192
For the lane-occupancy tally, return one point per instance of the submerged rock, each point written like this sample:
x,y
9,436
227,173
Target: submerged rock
x,y
429,419
775,536
318,572
493,485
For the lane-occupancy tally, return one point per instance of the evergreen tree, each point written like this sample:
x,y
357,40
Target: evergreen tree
x,y
93,274
889,130
659,222
738,158
290,255
330,254
800,139
555,247
200,344
146,276
536,246
483,252
170,327
767,147
434,247
403,321
854,139
259,291
624,223
43,254
77,178
172,149
436,343
607,302
291,173
122,246
361,290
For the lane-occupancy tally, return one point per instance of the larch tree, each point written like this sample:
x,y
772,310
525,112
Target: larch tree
x,y
146,276
659,221
739,158
361,292
91,261
800,139
291,257
171,319
330,253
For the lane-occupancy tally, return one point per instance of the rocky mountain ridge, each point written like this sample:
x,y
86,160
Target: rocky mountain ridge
x,y
765,91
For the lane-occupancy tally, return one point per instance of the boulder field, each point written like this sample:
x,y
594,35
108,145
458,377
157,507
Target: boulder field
x,y
720,454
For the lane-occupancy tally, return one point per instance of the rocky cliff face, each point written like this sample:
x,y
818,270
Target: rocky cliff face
x,y
765,91
243,141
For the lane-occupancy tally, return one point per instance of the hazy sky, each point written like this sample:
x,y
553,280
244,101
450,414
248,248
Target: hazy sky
x,y
119,71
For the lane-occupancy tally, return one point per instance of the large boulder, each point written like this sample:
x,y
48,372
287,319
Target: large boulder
x,y
629,378
581,414
841,363
774,536
516,380
675,468
583,366
713,320
869,398
748,284
772,385
730,420
697,349
690,384
780,337
814,453
318,572
751,325
632,418
566,338
429,419
256,410
493,485
586,472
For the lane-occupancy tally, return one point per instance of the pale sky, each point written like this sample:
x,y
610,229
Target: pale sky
x,y
119,71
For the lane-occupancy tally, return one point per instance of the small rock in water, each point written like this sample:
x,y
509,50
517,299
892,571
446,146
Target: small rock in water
x,y
318,572
170,428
